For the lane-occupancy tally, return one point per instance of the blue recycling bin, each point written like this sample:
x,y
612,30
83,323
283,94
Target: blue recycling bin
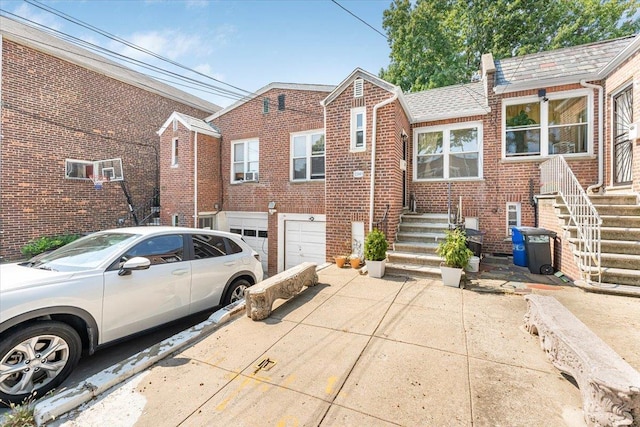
x,y
517,240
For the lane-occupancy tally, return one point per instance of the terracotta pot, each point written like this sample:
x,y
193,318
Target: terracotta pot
x,y
355,262
340,261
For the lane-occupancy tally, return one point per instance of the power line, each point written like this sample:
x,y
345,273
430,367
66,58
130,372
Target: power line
x,y
359,19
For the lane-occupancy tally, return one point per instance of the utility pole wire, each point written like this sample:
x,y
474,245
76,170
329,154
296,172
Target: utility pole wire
x,y
359,19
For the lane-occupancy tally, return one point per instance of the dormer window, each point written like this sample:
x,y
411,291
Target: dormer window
x,y
358,88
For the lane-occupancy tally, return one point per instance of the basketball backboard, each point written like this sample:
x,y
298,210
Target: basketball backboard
x,y
110,169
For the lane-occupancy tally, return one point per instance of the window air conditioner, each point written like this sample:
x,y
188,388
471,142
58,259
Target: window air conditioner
x,y
251,176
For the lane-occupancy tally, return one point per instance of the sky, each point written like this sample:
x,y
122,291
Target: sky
x,y
246,43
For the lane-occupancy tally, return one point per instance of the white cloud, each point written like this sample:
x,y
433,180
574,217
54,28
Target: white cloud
x,y
170,43
222,34
36,15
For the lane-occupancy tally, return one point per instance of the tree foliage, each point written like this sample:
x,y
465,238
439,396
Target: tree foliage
x,y
436,43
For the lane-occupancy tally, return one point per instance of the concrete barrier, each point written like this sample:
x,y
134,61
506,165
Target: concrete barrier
x,y
609,386
260,297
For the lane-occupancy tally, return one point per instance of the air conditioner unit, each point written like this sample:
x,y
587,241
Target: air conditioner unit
x,y
634,133
251,176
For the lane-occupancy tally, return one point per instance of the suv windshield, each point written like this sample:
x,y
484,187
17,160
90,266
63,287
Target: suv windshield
x,y
83,254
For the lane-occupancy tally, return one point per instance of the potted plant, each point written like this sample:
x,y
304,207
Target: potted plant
x,y
355,259
342,259
455,254
375,252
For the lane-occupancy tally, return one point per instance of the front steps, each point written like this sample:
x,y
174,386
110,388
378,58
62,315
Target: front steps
x,y
414,251
620,244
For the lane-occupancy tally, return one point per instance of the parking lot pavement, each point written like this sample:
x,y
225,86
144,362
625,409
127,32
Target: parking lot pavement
x,y
355,351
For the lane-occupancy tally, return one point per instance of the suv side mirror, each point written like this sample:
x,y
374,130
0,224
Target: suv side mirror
x,y
135,263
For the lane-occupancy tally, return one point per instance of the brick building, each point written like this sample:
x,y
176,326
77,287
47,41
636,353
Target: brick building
x,y
297,161
62,109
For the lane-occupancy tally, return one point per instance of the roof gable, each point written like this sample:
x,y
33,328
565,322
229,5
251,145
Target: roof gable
x,y
359,73
191,123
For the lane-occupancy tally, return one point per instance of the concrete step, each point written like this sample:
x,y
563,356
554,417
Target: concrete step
x,y
426,218
609,288
618,276
612,210
416,227
419,237
612,260
616,246
611,220
416,248
412,270
611,233
609,199
406,258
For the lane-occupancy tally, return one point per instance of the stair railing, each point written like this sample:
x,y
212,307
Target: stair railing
x,y
556,177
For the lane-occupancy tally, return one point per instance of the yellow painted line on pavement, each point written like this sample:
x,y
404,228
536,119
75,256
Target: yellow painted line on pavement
x,y
331,381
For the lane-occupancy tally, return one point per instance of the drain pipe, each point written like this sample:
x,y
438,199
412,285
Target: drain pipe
x,y
600,89
195,180
373,152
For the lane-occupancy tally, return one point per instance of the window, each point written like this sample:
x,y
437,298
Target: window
x,y
175,220
244,157
448,152
174,152
358,88
205,222
206,246
513,216
265,105
559,125
358,129
159,249
307,156
78,169
280,102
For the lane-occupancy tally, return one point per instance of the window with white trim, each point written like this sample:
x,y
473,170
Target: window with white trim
x,y
560,123
245,156
175,220
448,152
174,152
78,169
307,155
514,216
358,129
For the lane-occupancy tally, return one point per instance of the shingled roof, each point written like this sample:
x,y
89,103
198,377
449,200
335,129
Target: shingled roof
x,y
575,62
447,102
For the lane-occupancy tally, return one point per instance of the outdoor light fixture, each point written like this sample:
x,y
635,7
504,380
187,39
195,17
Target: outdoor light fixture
x,y
542,93
272,208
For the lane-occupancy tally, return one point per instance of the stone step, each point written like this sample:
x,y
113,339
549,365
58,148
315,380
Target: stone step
x,y
611,220
616,246
419,237
613,260
406,258
621,276
415,247
412,270
612,210
609,288
415,227
611,233
426,218
609,199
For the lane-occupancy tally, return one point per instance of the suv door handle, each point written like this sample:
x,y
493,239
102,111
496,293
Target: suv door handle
x,y
229,263
180,272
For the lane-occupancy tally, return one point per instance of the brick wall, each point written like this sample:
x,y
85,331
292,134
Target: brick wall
x,y
348,197
302,112
53,110
563,259
627,74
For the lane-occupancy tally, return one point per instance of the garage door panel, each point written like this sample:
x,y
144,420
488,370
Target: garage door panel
x,y
305,241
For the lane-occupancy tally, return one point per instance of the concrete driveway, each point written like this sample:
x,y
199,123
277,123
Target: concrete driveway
x,y
358,351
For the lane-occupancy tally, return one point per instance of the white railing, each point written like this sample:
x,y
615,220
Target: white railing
x,y
557,177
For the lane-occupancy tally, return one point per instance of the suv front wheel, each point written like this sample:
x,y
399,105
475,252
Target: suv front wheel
x,y
37,358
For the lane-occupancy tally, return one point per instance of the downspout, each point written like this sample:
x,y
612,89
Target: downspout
x,y
600,182
195,181
373,153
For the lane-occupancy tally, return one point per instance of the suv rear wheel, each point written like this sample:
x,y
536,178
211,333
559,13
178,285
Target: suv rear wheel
x,y
37,358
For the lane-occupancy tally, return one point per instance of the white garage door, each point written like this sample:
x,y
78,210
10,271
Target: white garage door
x,y
305,241
253,228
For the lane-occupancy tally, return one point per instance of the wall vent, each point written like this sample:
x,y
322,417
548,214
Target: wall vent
x,y
358,88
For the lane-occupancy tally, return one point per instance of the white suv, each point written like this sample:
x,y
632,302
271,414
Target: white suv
x,y
106,286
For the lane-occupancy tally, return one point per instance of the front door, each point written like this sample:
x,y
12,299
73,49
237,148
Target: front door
x,y
622,146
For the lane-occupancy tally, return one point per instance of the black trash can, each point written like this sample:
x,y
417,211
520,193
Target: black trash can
x,y
474,241
537,244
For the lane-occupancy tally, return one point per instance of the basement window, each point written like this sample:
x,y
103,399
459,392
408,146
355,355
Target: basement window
x,y
514,216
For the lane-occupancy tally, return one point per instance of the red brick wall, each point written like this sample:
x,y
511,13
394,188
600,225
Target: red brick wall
x,y
53,110
348,197
626,74
302,112
503,181
563,259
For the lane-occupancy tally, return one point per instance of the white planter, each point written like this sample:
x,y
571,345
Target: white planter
x,y
376,268
474,265
451,276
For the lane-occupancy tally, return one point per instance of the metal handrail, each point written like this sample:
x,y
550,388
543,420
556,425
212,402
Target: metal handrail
x,y
556,177
383,221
